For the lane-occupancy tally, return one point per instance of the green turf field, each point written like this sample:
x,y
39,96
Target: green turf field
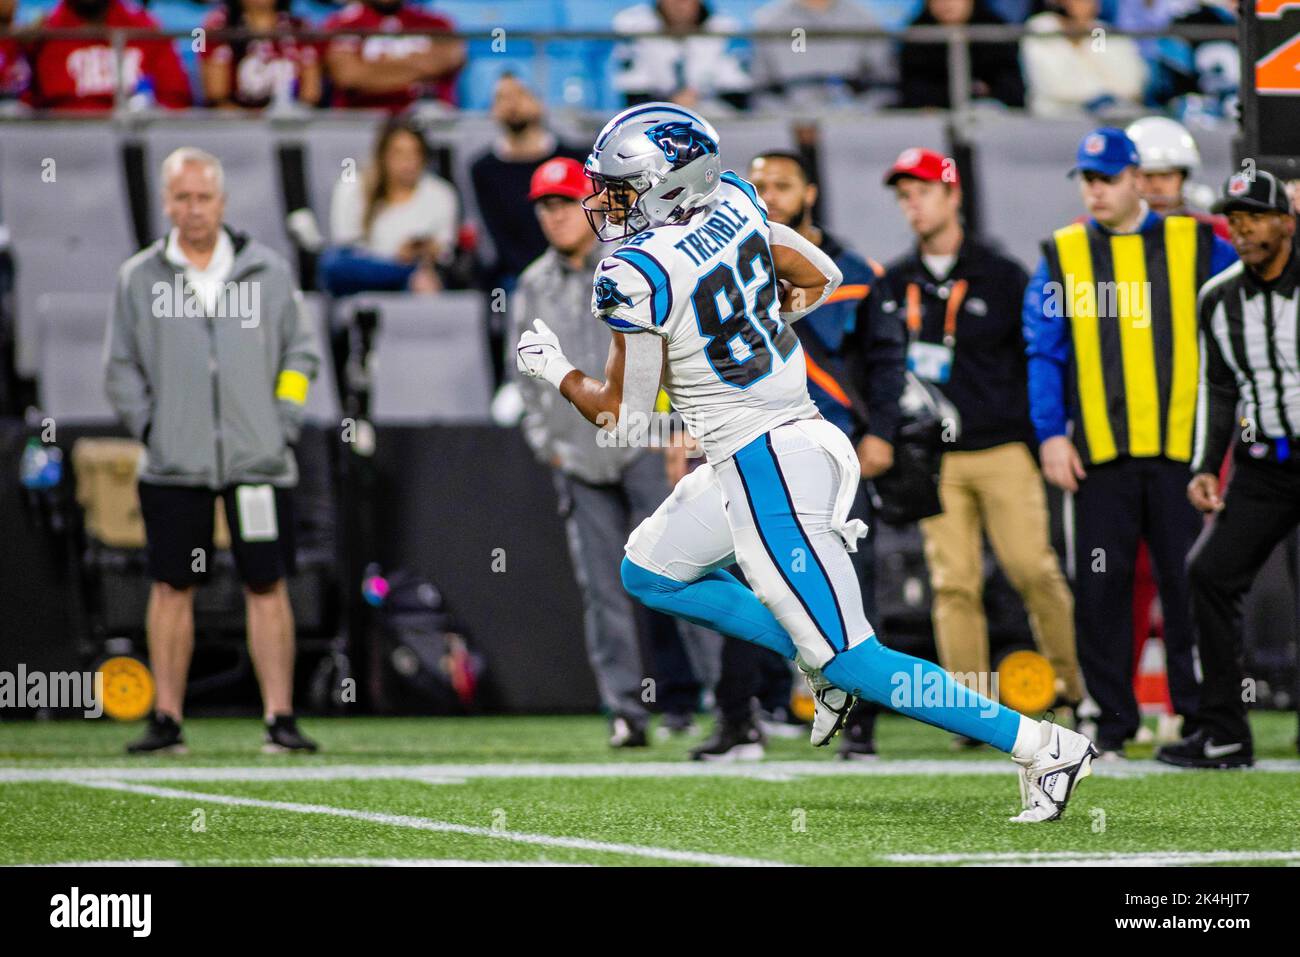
x,y
546,790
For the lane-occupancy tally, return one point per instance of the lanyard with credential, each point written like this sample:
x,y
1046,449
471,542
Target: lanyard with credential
x,y
955,298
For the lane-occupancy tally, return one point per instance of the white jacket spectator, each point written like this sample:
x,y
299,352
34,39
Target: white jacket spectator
x,y
685,69
1086,72
431,212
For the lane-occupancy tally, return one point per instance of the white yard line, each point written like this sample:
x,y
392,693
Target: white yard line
x,y
311,861
445,827
163,770
1095,858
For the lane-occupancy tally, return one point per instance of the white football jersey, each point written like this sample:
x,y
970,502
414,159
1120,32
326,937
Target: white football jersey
x,y
735,369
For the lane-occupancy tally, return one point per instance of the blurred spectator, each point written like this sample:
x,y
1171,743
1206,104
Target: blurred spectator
x,y
15,75
1090,70
501,176
1112,396
605,488
250,73
81,73
960,299
391,72
1169,157
668,64
995,67
1203,77
820,70
395,224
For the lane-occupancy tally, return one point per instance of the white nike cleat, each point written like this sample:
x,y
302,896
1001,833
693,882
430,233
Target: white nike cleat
x,y
1048,781
831,706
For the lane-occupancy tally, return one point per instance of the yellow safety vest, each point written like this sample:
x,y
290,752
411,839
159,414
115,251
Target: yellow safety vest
x,y
1131,302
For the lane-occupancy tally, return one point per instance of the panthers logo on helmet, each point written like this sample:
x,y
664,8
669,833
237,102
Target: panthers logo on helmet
x,y
681,142
608,297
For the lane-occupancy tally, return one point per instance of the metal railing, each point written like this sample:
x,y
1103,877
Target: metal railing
x,y
958,40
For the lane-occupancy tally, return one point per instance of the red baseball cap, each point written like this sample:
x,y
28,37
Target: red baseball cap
x,y
920,163
560,176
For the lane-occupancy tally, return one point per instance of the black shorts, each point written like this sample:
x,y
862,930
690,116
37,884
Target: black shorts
x,y
178,520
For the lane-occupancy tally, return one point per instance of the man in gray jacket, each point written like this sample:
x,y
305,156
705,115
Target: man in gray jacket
x,y
605,488
208,358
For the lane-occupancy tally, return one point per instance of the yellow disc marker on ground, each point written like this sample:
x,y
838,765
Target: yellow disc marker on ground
x,y
128,688
1026,681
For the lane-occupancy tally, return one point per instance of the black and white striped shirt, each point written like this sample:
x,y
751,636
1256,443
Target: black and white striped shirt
x,y
1250,354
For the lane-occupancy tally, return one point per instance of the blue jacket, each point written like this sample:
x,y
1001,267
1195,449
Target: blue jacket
x,y
1048,339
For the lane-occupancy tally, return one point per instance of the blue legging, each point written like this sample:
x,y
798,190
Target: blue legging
x,y
869,670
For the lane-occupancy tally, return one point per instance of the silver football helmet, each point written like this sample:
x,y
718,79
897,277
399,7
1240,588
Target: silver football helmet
x,y
651,165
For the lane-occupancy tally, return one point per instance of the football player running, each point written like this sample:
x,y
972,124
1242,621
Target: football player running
x,y
700,297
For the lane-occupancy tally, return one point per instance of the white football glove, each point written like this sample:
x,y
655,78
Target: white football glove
x,y
538,355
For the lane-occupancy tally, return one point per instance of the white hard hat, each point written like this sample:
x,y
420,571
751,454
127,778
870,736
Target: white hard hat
x,y
1164,144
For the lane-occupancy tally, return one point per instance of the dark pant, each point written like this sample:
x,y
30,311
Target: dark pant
x,y
1118,504
179,526
1261,508
597,519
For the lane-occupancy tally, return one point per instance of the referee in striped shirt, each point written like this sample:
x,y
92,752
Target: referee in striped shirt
x,y
1249,324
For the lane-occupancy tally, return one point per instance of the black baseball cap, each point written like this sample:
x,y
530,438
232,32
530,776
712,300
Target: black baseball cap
x,y
1254,192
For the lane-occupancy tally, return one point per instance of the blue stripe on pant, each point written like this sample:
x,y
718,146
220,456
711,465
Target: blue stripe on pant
x,y
787,545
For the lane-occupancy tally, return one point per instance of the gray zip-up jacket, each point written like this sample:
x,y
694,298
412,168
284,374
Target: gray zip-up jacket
x,y
552,290
216,397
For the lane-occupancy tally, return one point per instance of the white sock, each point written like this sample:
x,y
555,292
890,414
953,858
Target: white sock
x,y
1028,739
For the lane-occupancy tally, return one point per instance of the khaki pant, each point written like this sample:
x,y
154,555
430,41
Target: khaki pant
x,y
998,491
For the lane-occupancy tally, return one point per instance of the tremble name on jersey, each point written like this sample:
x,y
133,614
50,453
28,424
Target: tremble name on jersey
x,y
708,286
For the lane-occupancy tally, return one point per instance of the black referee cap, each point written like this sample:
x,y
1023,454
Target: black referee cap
x,y
1255,192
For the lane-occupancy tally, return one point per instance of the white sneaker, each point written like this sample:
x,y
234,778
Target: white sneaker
x,y
1048,781
830,706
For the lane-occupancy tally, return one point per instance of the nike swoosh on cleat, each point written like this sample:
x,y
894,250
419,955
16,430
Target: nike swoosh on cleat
x,y
1057,754
1220,750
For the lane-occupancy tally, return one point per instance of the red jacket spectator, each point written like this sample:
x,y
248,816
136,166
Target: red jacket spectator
x,y
391,72
79,73
246,69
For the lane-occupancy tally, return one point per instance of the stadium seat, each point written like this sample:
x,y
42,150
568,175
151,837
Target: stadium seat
x,y
323,406
589,14
569,79
329,144
854,157
481,16
247,152
742,11
894,14
70,385
430,360
740,140
64,200
29,11
476,82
